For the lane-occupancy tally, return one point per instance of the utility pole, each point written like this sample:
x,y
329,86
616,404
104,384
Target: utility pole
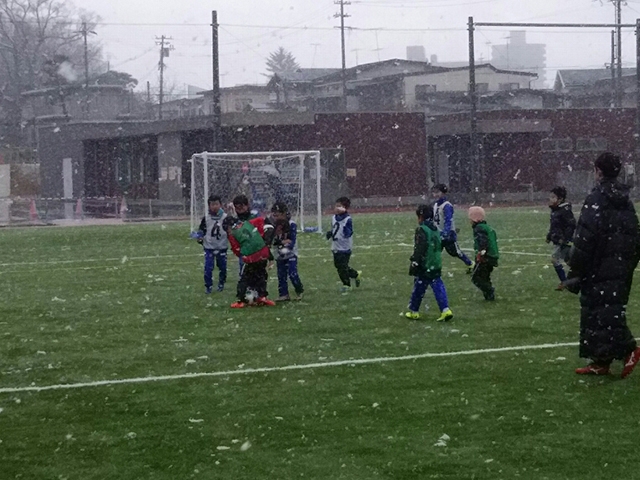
x,y
217,112
85,32
473,127
165,48
342,16
612,66
618,4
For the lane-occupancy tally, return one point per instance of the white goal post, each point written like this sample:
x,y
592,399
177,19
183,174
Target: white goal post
x,y
292,177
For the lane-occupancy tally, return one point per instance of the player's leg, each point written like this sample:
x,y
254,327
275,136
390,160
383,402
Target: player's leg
x,y
341,262
454,250
417,294
208,269
440,292
283,282
294,276
481,278
243,285
259,282
221,260
557,256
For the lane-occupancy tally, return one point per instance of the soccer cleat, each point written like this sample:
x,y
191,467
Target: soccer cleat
x,y
593,369
220,288
345,289
299,296
359,278
491,296
207,290
238,304
264,301
560,287
445,316
283,298
412,315
470,268
630,362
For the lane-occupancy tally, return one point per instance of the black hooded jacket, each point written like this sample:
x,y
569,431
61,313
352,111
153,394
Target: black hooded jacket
x,y
606,245
562,224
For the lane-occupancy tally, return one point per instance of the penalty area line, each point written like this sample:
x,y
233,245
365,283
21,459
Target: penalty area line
x,y
247,371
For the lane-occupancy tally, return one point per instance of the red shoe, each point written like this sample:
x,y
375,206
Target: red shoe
x,y
630,362
265,302
238,305
593,369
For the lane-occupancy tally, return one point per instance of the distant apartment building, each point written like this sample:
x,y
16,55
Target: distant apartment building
x,y
519,55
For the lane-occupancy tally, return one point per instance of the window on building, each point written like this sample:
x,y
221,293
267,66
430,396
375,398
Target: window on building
x,y
505,87
423,91
556,145
597,144
482,87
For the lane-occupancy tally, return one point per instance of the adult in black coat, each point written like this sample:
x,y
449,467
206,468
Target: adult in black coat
x,y
605,252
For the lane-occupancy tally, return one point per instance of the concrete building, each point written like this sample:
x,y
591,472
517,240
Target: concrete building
x,y
519,55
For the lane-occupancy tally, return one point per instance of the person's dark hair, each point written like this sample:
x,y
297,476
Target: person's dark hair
x,y
609,164
440,187
344,201
559,192
241,200
425,211
214,198
279,207
229,222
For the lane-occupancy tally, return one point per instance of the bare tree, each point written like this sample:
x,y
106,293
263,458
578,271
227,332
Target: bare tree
x,y
40,45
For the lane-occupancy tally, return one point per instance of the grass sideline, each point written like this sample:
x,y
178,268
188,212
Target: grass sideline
x,y
107,303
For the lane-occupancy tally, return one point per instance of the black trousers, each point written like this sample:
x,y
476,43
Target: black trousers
x,y
253,276
481,277
345,272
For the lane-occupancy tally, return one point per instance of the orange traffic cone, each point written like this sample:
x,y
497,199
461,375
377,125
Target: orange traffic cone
x,y
79,213
33,212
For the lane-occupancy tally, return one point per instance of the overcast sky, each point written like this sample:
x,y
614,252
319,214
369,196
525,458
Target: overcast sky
x,y
251,29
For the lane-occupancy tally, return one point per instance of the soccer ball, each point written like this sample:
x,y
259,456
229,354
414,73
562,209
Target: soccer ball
x,y
251,296
284,251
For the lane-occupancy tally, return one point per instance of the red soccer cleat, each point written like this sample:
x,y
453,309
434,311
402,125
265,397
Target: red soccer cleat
x,y
593,369
238,305
630,362
264,301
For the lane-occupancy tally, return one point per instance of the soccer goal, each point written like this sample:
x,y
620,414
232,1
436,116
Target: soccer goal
x,y
265,178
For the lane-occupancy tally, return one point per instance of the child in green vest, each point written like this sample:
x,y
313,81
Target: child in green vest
x,y
426,266
485,243
247,240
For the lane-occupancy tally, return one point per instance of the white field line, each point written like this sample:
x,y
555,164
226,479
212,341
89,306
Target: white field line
x,y
184,255
248,371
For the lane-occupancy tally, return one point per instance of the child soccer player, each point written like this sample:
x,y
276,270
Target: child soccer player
x,y
247,239
341,236
426,266
485,243
285,252
214,241
443,219
561,227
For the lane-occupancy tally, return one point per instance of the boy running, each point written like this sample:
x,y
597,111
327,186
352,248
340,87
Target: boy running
x,y
426,266
485,243
341,236
443,219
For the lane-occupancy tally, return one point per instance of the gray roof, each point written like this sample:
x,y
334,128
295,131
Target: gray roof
x,y
587,77
306,74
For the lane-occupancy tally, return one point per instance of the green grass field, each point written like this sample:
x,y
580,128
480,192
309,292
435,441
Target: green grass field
x,y
105,303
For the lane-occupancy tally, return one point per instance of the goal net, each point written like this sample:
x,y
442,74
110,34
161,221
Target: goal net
x,y
265,178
